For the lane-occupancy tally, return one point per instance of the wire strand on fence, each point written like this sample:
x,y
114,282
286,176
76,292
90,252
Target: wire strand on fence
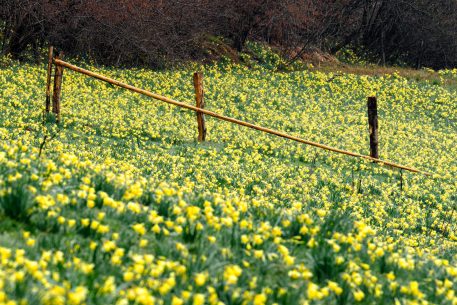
x,y
233,120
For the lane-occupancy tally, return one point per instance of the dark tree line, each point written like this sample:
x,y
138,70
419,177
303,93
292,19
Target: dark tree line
x,y
152,32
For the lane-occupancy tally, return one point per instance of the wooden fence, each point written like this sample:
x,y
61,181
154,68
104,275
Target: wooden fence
x,y
199,109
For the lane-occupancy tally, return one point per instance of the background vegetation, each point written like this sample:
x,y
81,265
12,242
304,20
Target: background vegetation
x,y
153,33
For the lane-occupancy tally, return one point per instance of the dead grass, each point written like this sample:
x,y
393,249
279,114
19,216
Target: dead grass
x,y
327,63
420,75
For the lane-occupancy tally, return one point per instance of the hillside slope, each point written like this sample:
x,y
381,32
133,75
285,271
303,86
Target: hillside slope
x,y
124,206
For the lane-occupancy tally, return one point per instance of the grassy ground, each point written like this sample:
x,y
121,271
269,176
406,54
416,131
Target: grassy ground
x,y
440,78
124,206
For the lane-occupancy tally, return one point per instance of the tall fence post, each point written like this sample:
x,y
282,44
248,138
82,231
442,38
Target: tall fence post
x,y
373,125
199,97
48,80
57,88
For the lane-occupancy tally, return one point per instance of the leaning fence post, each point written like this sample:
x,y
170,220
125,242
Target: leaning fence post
x,y
48,80
57,88
199,94
373,125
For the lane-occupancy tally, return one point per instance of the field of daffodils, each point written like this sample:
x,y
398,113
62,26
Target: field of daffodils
x,y
120,204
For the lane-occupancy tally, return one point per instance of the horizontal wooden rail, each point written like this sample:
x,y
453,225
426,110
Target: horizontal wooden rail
x,y
232,120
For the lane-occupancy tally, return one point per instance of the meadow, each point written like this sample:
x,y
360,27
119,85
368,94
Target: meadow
x,y
119,204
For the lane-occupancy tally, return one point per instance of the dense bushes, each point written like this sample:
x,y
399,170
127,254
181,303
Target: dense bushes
x,y
417,32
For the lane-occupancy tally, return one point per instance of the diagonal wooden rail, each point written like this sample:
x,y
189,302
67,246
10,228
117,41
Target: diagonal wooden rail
x,y
233,120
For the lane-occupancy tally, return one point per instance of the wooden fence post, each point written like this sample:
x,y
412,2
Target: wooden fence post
x,y
48,80
199,95
57,88
373,125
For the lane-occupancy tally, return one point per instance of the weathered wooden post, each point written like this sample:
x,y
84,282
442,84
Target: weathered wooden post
x,y
199,97
373,125
48,80
57,88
